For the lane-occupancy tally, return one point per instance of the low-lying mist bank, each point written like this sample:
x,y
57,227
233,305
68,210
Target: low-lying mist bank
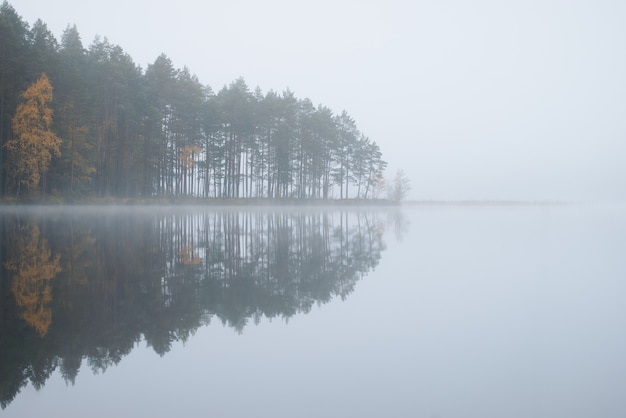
x,y
188,201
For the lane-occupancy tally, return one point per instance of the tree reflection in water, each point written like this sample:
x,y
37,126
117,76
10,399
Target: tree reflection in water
x,y
33,266
92,286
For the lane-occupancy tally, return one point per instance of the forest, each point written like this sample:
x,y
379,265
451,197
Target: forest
x,y
80,122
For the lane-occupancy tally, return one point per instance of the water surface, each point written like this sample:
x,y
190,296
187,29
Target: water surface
x,y
429,312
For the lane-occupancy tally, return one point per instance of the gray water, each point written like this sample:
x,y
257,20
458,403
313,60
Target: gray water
x,y
430,311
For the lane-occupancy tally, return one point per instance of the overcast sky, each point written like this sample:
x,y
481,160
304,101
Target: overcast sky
x,y
473,99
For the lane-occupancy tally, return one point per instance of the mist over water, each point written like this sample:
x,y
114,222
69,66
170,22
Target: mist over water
x,y
474,311
498,291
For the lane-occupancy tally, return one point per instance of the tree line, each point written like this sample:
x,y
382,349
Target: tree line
x,y
119,130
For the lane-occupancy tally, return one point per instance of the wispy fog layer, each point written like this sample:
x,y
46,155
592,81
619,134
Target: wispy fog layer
x,y
474,100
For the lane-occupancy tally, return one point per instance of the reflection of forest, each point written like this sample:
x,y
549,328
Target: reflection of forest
x,y
92,286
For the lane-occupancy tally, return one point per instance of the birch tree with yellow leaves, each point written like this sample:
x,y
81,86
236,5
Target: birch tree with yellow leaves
x,y
33,143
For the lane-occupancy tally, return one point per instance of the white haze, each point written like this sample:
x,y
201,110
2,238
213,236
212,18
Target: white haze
x,y
494,100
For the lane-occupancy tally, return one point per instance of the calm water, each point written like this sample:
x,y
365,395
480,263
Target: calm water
x,y
422,312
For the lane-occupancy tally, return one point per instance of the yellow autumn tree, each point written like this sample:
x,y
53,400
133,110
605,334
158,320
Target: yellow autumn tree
x,y
187,156
34,267
33,144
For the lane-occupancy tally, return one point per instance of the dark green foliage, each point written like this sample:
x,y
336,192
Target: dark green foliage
x,y
160,132
15,45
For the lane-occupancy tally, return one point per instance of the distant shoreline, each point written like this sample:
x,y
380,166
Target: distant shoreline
x,y
186,201
485,202
264,202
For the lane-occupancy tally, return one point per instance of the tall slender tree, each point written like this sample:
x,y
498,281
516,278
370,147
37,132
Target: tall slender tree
x,y
75,115
14,50
346,142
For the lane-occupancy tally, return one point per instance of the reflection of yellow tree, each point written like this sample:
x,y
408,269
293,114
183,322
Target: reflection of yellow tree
x,y
34,267
188,256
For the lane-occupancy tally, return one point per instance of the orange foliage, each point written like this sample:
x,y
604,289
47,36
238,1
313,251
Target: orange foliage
x,y
187,155
34,143
34,267
188,256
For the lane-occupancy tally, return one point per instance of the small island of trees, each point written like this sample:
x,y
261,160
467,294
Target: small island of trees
x,y
112,129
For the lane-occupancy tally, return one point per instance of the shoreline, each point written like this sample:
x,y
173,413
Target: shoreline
x,y
208,202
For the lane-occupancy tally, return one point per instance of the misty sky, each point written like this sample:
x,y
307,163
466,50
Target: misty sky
x,y
473,99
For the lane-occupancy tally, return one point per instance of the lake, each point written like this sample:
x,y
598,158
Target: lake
x,y
425,311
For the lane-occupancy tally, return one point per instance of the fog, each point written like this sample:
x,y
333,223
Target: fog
x,y
481,100
477,311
